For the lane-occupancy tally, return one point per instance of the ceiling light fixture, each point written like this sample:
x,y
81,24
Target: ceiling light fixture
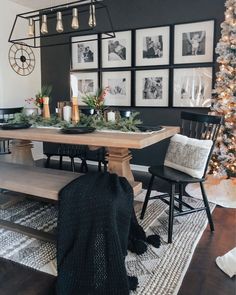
x,y
40,24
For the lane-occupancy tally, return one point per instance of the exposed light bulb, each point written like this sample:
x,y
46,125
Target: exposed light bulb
x,y
59,26
75,19
31,28
44,26
92,16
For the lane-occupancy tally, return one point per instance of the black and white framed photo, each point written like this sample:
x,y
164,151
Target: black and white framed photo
x,y
83,83
192,87
119,88
152,88
152,46
194,42
116,52
84,53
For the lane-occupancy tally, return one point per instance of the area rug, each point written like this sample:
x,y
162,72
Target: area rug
x,y
159,271
222,193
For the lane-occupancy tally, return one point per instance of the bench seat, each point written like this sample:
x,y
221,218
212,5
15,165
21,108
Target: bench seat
x,y
35,182
40,182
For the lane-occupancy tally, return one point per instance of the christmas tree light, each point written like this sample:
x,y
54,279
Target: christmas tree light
x,y
223,162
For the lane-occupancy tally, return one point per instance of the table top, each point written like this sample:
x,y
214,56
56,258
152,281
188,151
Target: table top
x,y
106,139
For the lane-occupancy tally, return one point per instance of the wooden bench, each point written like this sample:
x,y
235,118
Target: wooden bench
x,y
34,181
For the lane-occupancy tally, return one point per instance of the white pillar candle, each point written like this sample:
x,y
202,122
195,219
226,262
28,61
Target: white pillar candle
x,y
67,113
31,111
111,116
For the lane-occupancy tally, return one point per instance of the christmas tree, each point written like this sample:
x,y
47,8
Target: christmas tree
x,y
223,160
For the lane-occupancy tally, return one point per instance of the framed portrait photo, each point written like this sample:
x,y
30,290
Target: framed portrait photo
x,y
119,88
116,52
85,53
83,83
152,46
152,88
192,87
194,42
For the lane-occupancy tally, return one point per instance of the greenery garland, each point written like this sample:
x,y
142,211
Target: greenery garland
x,y
96,121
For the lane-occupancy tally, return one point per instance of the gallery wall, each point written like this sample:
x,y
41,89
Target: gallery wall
x,y
132,14
14,89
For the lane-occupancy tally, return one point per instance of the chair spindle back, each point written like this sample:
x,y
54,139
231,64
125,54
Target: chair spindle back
x,y
201,126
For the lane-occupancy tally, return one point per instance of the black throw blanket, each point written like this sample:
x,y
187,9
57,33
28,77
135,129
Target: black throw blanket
x,y
96,217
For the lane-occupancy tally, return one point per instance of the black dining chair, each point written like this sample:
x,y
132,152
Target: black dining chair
x,y
75,151
6,114
199,126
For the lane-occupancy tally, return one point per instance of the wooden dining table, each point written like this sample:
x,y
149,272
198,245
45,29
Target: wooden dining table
x,y
117,145
21,175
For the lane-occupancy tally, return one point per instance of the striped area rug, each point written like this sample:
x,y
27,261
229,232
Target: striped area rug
x,y
159,271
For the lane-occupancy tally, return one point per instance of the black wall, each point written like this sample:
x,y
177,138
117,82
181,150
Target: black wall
x,y
131,14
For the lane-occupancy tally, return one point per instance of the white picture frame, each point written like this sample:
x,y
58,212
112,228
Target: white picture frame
x,y
152,88
153,46
84,53
116,52
192,87
83,83
119,88
194,42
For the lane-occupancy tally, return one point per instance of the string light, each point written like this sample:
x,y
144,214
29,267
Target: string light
x,y
223,162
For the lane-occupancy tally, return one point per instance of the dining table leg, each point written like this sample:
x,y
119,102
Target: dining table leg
x,y
21,152
119,163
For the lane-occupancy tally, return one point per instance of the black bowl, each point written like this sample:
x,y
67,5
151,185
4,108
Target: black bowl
x,y
13,126
77,130
146,128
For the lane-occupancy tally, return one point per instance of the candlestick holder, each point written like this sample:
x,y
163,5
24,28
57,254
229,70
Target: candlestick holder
x,y
75,110
46,111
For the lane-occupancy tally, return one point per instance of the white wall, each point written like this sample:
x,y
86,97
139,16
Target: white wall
x,y
14,89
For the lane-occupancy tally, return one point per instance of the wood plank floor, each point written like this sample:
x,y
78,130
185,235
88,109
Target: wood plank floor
x,y
202,278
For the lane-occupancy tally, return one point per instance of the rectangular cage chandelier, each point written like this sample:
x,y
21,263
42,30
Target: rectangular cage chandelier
x,y
52,25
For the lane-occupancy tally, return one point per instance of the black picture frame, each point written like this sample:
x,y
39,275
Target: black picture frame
x,y
152,46
83,83
152,88
194,42
192,87
84,55
117,52
119,88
